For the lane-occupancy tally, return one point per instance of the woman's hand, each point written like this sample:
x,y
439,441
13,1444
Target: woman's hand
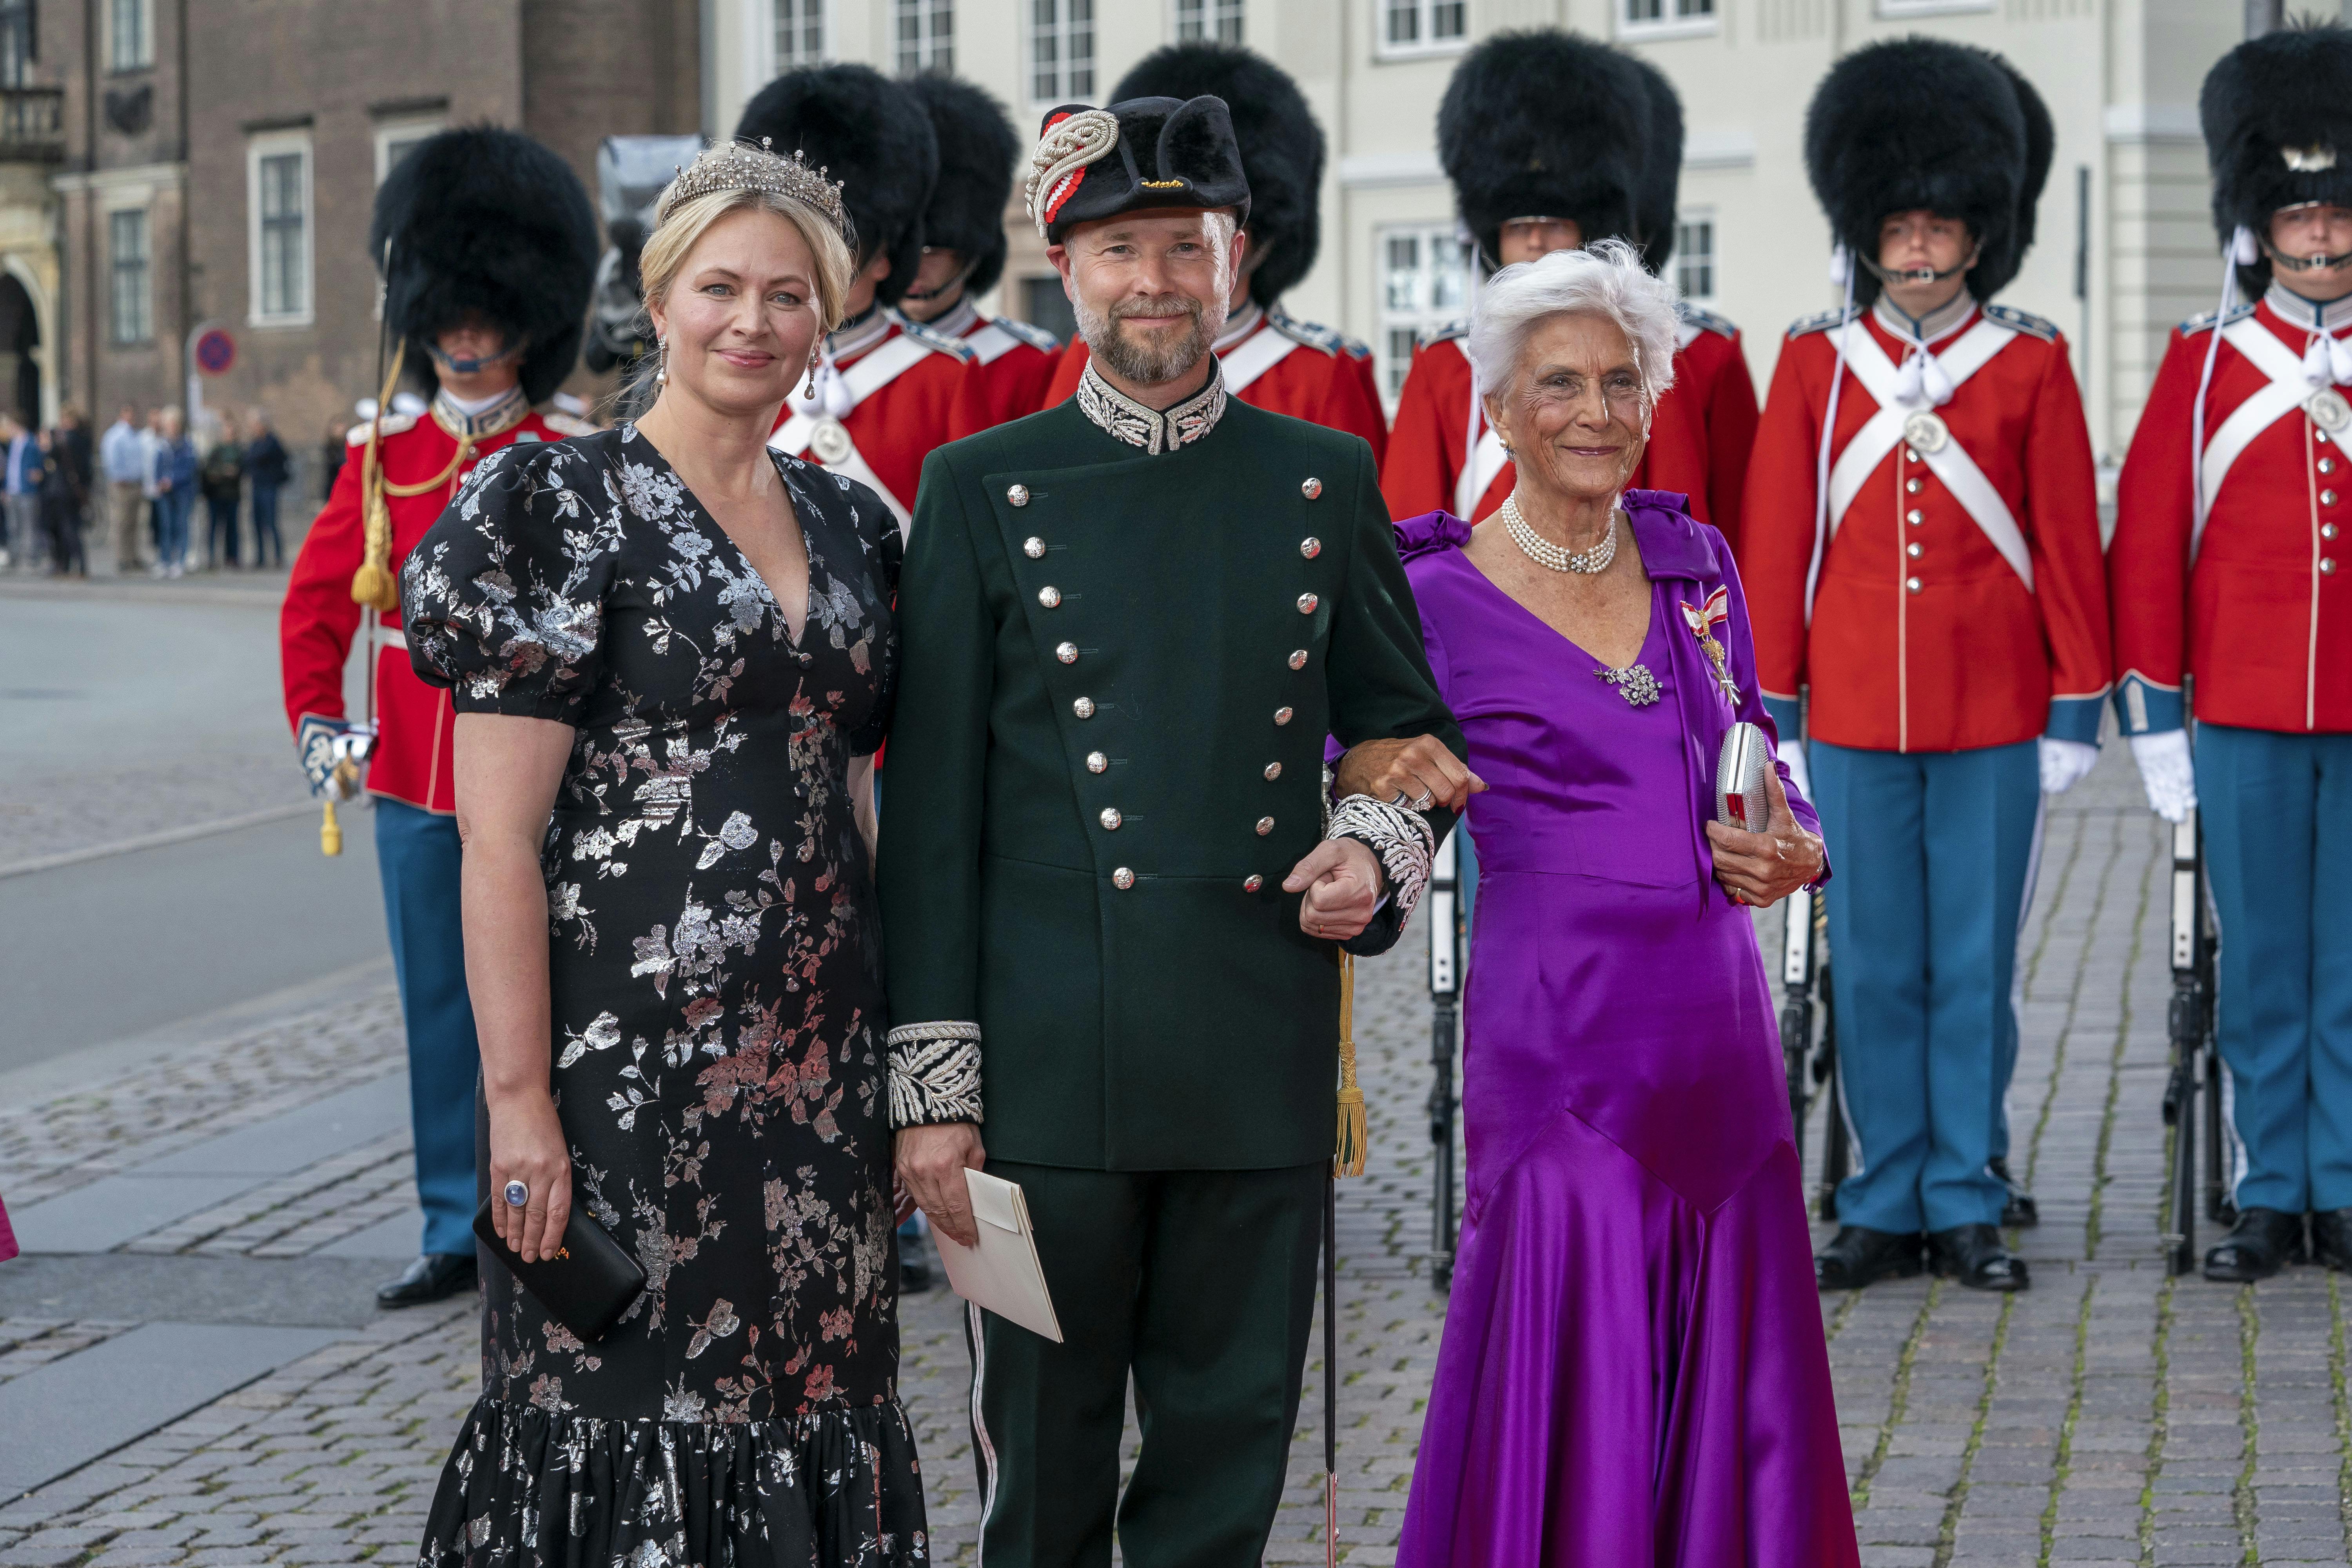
x,y
1412,769
527,1146
1762,868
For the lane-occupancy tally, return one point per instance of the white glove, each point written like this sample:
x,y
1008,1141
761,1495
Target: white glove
x,y
2063,764
1792,756
2166,773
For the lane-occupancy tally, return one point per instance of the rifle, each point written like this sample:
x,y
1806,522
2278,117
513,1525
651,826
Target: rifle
x,y
1796,952
1443,902
2196,1062
1837,1153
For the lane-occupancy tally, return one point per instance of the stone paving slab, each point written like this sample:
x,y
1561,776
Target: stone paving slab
x,y
2108,1415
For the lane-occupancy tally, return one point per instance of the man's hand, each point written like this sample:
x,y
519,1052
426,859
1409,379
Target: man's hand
x,y
931,1162
1412,769
1342,880
1759,869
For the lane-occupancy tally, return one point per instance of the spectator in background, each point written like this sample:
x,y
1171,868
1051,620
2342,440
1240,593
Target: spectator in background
x,y
224,488
23,496
175,489
268,466
62,504
122,455
330,455
151,447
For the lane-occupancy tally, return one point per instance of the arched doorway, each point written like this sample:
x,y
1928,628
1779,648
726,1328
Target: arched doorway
x,y
20,366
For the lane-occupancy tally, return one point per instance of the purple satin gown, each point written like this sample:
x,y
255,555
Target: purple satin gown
x,y
1633,1369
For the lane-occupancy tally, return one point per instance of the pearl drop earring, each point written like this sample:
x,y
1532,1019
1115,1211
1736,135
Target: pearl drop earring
x,y
661,361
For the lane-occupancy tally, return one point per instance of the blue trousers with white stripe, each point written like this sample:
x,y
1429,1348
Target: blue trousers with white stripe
x,y
2278,812
1932,856
418,856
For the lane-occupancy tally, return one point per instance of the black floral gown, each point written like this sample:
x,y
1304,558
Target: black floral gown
x,y
718,1021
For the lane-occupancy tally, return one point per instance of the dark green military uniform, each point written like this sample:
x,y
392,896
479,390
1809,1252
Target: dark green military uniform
x,y
1126,637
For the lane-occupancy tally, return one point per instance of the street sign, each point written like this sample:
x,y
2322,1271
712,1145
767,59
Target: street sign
x,y
215,352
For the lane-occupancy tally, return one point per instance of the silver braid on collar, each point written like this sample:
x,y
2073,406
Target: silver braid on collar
x,y
1401,839
934,1074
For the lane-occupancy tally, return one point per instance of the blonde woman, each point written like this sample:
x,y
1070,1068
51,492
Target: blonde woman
x,y
671,653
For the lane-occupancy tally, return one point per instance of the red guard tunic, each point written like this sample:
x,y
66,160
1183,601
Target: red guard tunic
x,y
411,759
1284,366
2258,607
898,389
1015,360
1923,632
1699,437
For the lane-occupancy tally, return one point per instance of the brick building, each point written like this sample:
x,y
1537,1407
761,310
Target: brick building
x,y
171,164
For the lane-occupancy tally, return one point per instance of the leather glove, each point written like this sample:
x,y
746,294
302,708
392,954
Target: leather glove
x,y
1792,757
2063,764
2167,772
332,753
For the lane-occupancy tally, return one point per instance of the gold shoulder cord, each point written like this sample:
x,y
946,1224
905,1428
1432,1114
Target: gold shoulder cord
x,y
373,585
1355,1135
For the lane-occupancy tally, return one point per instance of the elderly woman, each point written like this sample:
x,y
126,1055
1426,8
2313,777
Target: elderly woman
x,y
1633,1369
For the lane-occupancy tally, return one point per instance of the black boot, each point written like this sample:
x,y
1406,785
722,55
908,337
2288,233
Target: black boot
x,y
434,1277
1973,1255
1859,1257
2262,1242
2017,1210
2331,1239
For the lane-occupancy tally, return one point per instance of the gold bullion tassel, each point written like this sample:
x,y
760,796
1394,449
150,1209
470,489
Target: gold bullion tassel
x,y
331,833
372,584
1355,1135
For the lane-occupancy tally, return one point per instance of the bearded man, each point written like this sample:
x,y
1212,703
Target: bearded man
x,y
1111,899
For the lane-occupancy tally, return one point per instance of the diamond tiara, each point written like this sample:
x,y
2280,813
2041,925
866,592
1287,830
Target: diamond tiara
x,y
739,167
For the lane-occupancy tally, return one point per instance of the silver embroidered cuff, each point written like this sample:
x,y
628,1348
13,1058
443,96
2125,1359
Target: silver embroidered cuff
x,y
1401,839
934,1074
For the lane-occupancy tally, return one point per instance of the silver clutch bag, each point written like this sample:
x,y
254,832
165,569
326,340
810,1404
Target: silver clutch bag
x,y
1741,799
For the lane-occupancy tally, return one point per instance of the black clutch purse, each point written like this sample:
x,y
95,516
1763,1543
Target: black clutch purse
x,y
587,1286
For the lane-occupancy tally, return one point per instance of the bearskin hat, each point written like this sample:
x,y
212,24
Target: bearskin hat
x,y
978,150
1662,169
1547,123
1282,148
868,133
488,220
2277,116
1921,124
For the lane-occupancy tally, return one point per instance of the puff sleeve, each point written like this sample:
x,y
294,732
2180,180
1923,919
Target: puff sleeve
x,y
503,600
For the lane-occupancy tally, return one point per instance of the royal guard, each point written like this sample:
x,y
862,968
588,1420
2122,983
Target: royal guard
x,y
2229,566
1552,142
1270,360
964,247
886,390
487,247
1929,568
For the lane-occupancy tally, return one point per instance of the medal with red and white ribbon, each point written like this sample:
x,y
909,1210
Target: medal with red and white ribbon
x,y
1703,619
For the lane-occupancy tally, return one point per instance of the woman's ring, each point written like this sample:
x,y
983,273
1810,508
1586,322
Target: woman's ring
x,y
1426,800
1401,798
517,1194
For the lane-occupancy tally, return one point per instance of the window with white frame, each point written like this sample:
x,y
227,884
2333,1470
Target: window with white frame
x,y
1209,21
800,32
397,140
1418,27
926,36
1061,50
1695,255
1424,280
130,34
278,183
1664,17
131,292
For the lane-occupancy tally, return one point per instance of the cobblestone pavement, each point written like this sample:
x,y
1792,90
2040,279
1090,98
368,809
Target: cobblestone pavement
x,y
2107,1416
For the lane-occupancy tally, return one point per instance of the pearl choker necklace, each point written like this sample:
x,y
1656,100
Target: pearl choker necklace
x,y
1559,558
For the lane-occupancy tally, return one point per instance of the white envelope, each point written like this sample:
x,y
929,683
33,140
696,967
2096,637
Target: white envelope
x,y
1002,1274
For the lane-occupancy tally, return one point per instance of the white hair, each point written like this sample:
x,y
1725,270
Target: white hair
x,y
1606,278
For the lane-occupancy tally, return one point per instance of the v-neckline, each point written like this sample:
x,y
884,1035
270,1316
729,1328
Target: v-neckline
x,y
1649,625
708,524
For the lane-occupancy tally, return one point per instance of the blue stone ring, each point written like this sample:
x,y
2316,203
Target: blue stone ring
x,y
517,1194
